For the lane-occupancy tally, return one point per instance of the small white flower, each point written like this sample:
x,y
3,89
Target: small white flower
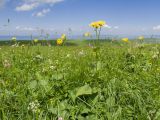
x,y
81,53
6,64
155,56
60,118
52,67
33,106
39,57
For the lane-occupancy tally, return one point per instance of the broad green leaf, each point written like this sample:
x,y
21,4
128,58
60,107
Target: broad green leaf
x,y
84,90
43,82
32,84
53,110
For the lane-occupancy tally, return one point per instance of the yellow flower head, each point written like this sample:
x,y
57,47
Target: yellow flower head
x,y
125,39
14,38
94,25
141,38
87,34
97,24
59,41
63,37
35,40
101,23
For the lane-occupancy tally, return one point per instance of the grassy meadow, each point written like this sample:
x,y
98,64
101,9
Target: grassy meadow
x,y
115,81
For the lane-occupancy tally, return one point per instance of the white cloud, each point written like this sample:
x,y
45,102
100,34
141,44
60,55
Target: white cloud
x,y
107,26
156,27
28,5
41,13
19,28
116,27
111,27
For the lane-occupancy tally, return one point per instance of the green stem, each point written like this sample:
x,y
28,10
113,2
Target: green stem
x,y
96,36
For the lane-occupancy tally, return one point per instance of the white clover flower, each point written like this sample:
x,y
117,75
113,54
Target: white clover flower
x,y
155,56
33,106
6,63
52,67
60,118
39,57
15,45
81,53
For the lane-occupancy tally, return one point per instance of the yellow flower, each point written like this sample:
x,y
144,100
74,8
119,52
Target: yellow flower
x,y
87,34
63,37
97,24
14,38
94,25
35,40
101,23
125,39
141,38
59,41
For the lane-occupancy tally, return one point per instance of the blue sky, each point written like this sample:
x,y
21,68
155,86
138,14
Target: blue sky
x,y
128,17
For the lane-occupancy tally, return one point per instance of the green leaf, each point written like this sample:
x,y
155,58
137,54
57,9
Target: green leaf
x,y
43,82
98,65
157,116
53,110
84,90
73,95
32,84
58,76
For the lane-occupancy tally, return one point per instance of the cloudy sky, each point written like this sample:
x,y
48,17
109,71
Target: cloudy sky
x,y
128,17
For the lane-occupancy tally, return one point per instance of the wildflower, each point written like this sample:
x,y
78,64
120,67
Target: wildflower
x,y
15,45
59,41
155,56
52,67
125,39
101,23
63,37
141,38
94,25
33,106
23,46
35,40
60,118
87,34
81,53
97,24
6,64
14,39
39,57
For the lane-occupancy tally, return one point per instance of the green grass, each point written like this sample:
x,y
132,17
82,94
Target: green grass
x,y
116,82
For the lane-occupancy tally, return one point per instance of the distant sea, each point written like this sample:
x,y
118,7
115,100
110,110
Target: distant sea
x,y
76,37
